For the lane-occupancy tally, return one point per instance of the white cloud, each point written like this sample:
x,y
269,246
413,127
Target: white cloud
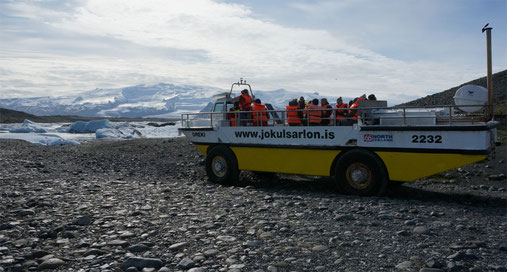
x,y
29,11
121,43
319,8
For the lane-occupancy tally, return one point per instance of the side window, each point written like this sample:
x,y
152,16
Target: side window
x,y
218,107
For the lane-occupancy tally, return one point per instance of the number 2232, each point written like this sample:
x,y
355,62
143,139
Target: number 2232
x,y
430,139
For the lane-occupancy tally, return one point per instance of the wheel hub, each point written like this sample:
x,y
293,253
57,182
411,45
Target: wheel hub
x,y
359,175
219,166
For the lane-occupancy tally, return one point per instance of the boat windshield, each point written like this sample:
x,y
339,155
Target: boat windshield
x,y
218,107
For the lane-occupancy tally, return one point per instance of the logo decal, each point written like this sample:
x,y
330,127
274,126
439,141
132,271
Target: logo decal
x,y
378,138
368,137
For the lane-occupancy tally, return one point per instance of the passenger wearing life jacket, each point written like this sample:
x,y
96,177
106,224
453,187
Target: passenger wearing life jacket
x,y
233,114
293,115
313,113
326,112
302,105
245,105
259,114
353,112
340,114
347,116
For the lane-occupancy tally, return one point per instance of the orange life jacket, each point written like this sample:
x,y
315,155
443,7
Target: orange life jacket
x,y
245,102
232,116
259,118
315,113
340,114
292,115
356,113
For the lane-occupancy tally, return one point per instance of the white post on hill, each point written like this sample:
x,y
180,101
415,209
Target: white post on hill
x,y
490,76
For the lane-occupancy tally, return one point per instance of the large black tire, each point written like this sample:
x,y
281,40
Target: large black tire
x,y
222,165
360,172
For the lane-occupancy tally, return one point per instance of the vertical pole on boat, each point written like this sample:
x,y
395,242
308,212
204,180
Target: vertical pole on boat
x,y
489,77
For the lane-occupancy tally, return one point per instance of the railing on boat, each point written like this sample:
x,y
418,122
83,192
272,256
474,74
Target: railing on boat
x,y
441,115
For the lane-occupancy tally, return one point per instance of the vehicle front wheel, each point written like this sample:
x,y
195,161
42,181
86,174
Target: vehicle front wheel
x,y
360,172
222,165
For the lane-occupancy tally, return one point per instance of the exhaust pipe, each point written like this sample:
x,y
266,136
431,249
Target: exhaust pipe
x,y
490,76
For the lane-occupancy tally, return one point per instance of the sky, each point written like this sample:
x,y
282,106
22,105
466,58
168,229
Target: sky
x,y
398,49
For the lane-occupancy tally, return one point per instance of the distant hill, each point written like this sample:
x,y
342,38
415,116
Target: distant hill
x,y
446,97
12,116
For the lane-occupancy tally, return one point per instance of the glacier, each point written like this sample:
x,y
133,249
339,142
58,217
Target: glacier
x,y
160,100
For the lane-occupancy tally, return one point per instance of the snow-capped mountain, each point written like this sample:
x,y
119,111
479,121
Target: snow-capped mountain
x,y
160,100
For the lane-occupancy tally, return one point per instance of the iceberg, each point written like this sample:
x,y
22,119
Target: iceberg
x,y
28,127
50,139
122,132
41,139
89,127
105,129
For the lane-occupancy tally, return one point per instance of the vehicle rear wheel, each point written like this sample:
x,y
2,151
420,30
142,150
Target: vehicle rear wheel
x,y
221,165
360,172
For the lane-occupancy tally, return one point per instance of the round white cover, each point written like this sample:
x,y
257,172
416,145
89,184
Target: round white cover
x,y
471,95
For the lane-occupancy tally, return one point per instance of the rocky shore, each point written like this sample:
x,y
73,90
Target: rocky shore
x,y
146,205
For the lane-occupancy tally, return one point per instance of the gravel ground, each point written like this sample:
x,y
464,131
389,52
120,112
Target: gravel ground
x,y
146,205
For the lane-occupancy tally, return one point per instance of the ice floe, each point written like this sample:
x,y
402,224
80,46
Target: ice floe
x,y
88,127
28,127
41,139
